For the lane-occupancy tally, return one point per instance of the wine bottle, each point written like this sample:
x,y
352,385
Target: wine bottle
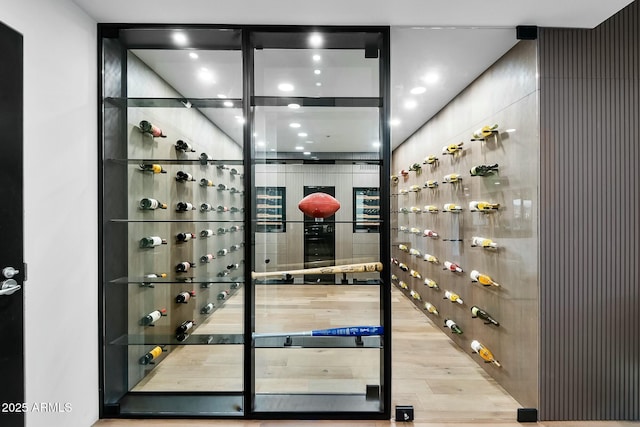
x,y
234,248
415,295
395,179
234,228
149,204
415,230
484,352
395,261
452,207
453,297
482,206
184,146
453,326
207,308
394,277
184,297
234,190
223,295
484,132
431,283
206,233
415,167
206,258
452,266
148,167
221,208
152,241
429,233
431,184
482,314
184,207
204,159
415,252
483,279
185,237
415,188
150,318
204,182
404,173
222,167
182,176
233,171
206,207
151,355
452,149
223,252
403,248
221,230
403,284
431,308
415,209
155,276
403,267
235,285
233,209
404,229
222,187
452,178
185,326
483,242
234,266
430,258
155,131
483,170
224,273
431,209
403,191
184,267
430,160
415,274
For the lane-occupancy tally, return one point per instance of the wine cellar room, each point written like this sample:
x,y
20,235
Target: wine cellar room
x,y
342,222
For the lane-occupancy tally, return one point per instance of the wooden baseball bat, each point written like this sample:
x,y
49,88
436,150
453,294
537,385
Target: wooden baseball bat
x,y
335,269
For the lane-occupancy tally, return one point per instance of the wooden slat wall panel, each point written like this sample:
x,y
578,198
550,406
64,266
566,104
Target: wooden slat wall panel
x,y
589,233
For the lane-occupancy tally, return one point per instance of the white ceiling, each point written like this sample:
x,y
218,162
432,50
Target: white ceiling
x,y
452,40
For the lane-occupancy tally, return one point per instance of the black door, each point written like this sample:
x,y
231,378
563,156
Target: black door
x,y
319,241
11,266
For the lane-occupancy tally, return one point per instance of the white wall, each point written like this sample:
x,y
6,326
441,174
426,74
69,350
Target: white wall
x,y
60,188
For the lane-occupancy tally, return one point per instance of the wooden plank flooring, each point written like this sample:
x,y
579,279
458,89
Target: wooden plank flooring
x,y
442,382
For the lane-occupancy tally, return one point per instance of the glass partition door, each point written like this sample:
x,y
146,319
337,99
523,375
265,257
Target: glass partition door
x,y
317,132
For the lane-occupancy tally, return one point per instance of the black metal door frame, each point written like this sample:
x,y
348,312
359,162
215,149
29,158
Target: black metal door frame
x,y
12,404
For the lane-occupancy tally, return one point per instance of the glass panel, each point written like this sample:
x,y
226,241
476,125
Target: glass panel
x,y
366,209
174,209
318,143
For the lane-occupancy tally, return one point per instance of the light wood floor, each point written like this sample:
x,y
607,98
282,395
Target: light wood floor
x,y
444,385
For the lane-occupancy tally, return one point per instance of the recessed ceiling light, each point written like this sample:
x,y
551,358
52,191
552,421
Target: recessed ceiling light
x,y
418,90
410,104
318,84
431,78
309,142
180,38
221,95
228,103
307,153
294,106
294,125
394,122
302,134
316,57
285,87
315,40
317,72
193,55
205,75
299,148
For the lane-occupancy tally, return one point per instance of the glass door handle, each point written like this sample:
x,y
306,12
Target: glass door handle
x,y
8,287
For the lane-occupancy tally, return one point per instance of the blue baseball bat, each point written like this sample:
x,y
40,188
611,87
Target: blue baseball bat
x,y
349,331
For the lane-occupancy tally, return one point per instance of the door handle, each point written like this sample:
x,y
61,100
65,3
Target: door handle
x,y
9,286
9,272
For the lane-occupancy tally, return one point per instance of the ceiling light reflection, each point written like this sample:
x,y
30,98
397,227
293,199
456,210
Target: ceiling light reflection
x,y
285,87
193,55
294,125
418,90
